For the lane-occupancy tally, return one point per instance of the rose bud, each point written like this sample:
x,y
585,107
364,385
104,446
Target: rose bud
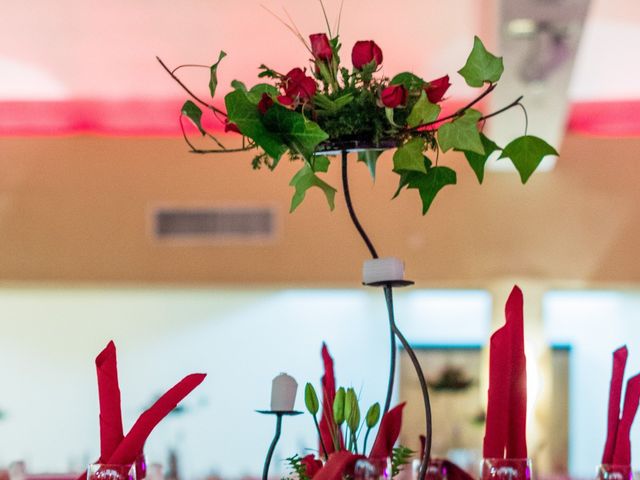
x,y
394,96
231,127
320,47
297,84
437,88
365,52
265,103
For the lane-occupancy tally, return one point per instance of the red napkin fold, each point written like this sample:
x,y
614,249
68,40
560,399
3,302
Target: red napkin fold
x,y
615,396
132,445
388,433
622,452
327,422
505,435
111,433
114,447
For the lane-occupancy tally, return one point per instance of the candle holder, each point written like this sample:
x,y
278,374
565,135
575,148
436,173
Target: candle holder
x,y
279,414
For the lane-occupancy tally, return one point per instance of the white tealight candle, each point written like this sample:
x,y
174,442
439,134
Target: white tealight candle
x,y
283,393
386,269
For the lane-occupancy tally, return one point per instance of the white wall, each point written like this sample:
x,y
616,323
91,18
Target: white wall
x,y
49,339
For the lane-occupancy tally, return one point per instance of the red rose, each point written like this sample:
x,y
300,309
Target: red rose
x,y
298,85
231,127
437,88
365,52
311,465
393,96
320,46
265,103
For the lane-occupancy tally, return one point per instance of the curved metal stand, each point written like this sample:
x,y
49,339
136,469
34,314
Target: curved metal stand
x,y
394,331
276,437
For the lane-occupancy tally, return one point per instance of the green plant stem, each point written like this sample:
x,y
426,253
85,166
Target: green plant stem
x,y
324,449
366,437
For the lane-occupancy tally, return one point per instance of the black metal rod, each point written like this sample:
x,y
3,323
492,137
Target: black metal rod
x,y
352,213
392,357
272,447
424,465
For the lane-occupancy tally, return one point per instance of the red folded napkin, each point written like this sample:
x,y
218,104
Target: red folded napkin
x,y
617,448
615,396
111,433
505,435
114,447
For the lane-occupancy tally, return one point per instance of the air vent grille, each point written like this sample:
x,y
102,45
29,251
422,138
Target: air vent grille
x,y
228,223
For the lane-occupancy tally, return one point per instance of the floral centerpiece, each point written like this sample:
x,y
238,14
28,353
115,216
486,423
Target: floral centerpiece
x,y
332,106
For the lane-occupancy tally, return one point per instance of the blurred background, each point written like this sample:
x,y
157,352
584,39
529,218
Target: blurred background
x,y
110,229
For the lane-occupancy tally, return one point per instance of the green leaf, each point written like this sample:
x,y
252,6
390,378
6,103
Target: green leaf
x,y
329,106
423,111
408,80
389,113
213,79
320,163
400,457
428,184
246,116
311,399
478,161
255,94
303,181
409,156
373,415
370,157
238,85
526,153
462,133
193,113
267,72
300,134
339,406
481,66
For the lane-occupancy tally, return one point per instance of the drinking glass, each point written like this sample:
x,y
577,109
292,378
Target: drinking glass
x,y
506,469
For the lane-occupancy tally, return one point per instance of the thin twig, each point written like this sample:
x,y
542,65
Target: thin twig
x,y
526,118
459,112
289,27
339,18
300,36
504,109
326,19
189,65
227,150
186,89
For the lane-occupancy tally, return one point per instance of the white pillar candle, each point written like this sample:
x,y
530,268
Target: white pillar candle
x,y
283,393
386,269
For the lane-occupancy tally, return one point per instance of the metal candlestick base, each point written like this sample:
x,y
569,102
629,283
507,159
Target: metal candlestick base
x,y
278,414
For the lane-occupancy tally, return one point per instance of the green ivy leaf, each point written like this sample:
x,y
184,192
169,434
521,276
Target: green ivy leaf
x,y
320,163
428,184
370,157
311,399
462,133
303,180
409,156
255,94
246,116
408,80
213,78
373,415
423,111
339,406
478,161
300,134
389,114
193,113
481,66
526,153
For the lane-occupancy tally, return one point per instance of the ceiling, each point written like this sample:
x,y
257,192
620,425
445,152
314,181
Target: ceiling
x,y
88,49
